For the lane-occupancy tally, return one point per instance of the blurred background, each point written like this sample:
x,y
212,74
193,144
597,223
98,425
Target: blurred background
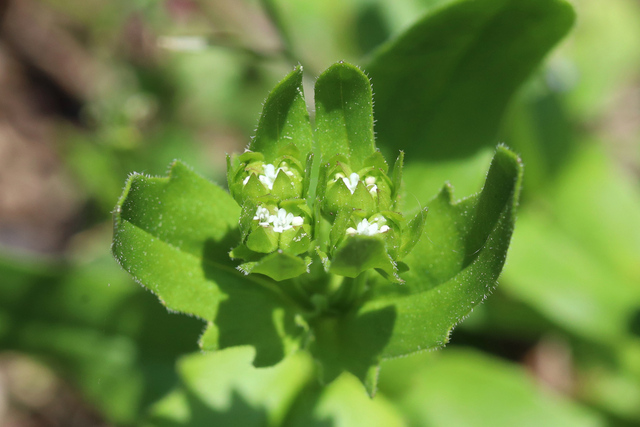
x,y
93,90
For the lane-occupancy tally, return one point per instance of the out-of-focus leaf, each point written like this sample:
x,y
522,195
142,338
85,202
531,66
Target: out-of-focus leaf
x,y
441,88
577,260
603,55
538,127
467,389
97,328
423,180
223,388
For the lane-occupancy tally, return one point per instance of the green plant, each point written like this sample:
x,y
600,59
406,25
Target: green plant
x,y
323,258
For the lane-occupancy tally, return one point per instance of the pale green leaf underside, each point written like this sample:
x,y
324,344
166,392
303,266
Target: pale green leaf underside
x,y
224,389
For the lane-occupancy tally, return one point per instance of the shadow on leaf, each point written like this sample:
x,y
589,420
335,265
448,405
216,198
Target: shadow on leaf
x,y
251,314
239,413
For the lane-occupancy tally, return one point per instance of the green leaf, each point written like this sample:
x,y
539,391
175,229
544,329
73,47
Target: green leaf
x,y
284,120
357,254
344,114
224,389
441,88
452,268
173,234
463,388
279,266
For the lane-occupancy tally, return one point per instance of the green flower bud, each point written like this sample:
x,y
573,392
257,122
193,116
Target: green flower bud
x,y
367,191
250,177
267,228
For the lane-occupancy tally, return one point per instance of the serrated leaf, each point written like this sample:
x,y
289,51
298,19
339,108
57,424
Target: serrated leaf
x,y
173,234
284,120
448,275
344,114
442,87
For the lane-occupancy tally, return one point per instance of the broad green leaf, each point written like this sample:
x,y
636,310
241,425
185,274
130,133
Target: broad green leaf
x,y
442,86
284,120
224,389
173,234
344,114
463,388
453,268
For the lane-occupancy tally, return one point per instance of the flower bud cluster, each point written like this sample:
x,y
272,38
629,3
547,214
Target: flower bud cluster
x,y
275,217
251,177
367,190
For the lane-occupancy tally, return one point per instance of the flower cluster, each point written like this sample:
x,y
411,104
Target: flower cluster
x,y
366,228
250,177
351,225
281,221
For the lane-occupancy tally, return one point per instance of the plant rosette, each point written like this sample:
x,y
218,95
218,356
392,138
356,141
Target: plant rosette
x,y
322,258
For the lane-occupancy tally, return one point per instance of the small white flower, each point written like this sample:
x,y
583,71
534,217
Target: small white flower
x,y
281,221
270,175
351,182
366,228
370,182
262,215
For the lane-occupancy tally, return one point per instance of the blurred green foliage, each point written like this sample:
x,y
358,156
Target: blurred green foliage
x,y
572,275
